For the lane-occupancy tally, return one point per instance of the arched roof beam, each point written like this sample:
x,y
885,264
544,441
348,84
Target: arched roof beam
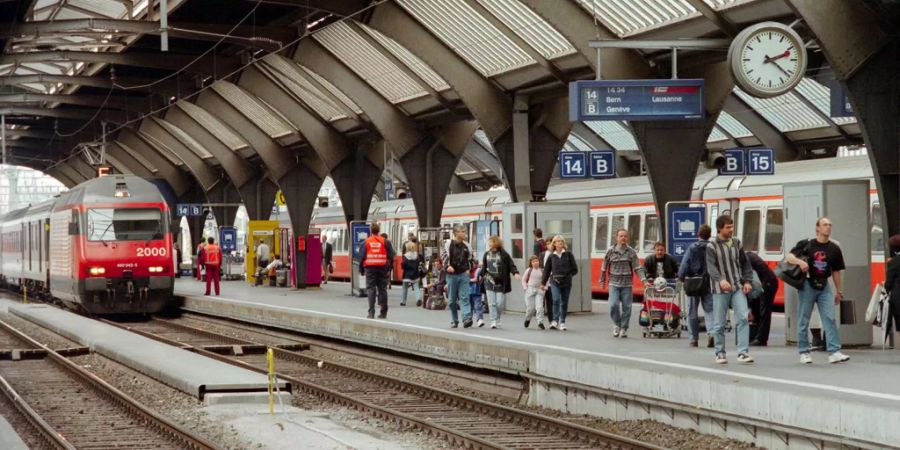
x,y
207,65
166,87
57,173
127,161
168,170
785,150
135,160
69,172
182,147
111,102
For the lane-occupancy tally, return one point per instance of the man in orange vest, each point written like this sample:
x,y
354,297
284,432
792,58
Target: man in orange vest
x,y
213,261
377,255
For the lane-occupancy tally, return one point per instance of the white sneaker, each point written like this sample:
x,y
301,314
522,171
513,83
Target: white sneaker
x,y
480,323
499,323
623,333
553,325
493,324
838,357
745,358
562,326
616,331
805,358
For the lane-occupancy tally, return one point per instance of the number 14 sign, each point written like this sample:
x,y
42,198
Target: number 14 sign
x,y
599,164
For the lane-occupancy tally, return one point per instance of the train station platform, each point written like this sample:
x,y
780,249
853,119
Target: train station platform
x,y
775,403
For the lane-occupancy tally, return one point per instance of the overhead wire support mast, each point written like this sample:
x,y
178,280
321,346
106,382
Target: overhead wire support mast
x,y
655,44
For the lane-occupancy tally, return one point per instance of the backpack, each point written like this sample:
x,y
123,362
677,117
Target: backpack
x,y
459,256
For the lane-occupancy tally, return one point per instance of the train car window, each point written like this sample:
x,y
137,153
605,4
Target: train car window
x,y
518,248
618,223
601,233
634,229
651,232
750,230
877,231
516,223
774,230
124,224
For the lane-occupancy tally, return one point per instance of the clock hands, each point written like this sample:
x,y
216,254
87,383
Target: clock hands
x,y
772,60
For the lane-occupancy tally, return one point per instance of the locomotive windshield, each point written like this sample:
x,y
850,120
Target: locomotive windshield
x,y
124,224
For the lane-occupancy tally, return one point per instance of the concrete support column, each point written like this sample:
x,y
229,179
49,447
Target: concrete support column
x,y
672,149
301,189
356,178
259,202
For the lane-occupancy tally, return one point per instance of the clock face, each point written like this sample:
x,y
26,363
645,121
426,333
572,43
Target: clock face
x,y
767,59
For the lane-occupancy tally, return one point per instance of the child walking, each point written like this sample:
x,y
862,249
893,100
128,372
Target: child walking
x,y
534,292
475,294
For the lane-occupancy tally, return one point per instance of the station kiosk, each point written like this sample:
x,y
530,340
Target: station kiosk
x,y
267,231
846,203
568,219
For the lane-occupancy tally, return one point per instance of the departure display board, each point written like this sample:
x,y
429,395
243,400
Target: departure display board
x,y
636,100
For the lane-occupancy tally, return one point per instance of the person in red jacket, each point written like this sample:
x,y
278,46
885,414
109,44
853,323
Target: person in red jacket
x,y
212,259
377,255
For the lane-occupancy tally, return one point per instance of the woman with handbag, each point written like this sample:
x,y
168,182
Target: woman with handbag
x,y
558,272
498,267
410,266
892,280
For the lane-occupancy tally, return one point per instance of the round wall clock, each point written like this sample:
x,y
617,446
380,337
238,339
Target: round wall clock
x,y
767,59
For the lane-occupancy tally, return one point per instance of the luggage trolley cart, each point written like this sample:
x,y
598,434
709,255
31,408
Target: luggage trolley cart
x,y
661,315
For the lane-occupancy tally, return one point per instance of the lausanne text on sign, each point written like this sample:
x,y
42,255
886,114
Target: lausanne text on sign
x,y
636,100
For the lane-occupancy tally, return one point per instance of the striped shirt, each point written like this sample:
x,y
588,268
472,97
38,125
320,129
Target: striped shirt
x,y
726,260
620,262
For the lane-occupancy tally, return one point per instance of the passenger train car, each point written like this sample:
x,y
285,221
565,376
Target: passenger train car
x,y
755,202
103,247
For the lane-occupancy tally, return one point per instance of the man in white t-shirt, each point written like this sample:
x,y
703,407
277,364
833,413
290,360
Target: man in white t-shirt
x,y
262,260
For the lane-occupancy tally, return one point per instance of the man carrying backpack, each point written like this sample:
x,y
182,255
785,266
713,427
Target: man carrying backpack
x,y
693,267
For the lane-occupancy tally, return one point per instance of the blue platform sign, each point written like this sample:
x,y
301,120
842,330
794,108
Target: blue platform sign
x,y
840,102
183,209
359,232
572,164
636,100
196,209
603,164
682,226
760,161
734,162
228,239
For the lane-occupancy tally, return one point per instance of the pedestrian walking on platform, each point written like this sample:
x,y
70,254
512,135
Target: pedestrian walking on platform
x,y
534,292
375,266
457,257
539,245
729,276
558,272
892,281
761,304
212,259
411,266
262,260
327,259
693,265
819,258
498,268
476,281
620,263
200,267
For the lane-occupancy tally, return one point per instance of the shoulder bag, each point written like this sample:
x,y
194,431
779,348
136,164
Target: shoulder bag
x,y
791,274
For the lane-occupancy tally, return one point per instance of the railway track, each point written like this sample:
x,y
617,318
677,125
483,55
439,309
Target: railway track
x,y
73,409
464,421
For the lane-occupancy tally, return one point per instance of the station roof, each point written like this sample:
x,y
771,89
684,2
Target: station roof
x,y
69,66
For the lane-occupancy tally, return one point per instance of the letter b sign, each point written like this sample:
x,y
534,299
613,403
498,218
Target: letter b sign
x,y
734,163
603,164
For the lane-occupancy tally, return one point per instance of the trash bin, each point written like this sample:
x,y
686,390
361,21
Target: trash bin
x,y
282,277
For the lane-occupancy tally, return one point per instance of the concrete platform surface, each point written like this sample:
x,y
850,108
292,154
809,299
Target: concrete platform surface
x,y
179,368
9,439
853,400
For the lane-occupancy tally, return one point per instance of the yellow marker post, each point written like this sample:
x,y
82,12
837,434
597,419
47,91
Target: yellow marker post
x,y
270,357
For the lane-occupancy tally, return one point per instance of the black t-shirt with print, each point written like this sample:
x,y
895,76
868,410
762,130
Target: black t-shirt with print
x,y
823,259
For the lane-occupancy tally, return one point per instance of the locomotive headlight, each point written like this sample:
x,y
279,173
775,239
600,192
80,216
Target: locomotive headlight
x,y
97,271
156,269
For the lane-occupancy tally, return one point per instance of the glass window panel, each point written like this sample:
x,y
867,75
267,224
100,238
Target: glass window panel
x,y
877,234
132,224
601,232
634,229
774,230
516,223
651,232
750,233
618,223
562,227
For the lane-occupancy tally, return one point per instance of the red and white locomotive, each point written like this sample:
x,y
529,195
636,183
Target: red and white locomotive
x,y
103,247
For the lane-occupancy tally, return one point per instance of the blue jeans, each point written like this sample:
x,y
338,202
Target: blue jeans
x,y
560,302
694,318
458,290
477,306
496,303
620,299
737,300
824,299
415,288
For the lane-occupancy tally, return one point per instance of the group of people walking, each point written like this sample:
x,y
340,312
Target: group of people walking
x,y
722,276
